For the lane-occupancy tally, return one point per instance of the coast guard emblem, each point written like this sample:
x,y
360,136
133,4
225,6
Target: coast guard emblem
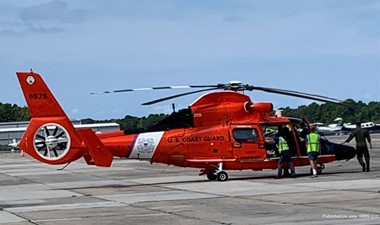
x,y
145,145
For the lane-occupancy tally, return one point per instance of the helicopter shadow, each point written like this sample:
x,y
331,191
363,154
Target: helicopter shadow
x,y
298,175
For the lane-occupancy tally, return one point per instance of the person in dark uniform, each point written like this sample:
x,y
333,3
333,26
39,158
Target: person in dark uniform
x,y
361,135
285,154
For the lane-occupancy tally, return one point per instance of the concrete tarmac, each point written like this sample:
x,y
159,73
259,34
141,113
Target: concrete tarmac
x,y
136,192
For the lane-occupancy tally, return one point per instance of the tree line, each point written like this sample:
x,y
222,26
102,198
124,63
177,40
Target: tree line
x,y
131,122
314,112
327,112
12,112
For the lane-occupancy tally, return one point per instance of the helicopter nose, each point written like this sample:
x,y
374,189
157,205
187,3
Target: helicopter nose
x,y
344,152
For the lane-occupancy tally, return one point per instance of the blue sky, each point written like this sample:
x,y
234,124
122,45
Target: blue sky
x,y
326,47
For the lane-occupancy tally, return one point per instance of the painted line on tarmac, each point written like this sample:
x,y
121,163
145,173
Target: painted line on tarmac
x,y
63,207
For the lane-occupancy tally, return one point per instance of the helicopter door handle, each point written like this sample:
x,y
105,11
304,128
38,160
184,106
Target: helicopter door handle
x,y
237,144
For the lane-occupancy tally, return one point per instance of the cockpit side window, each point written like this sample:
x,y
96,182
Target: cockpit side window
x,y
245,135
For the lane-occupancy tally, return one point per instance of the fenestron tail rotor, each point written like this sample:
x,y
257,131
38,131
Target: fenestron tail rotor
x,y
232,86
51,141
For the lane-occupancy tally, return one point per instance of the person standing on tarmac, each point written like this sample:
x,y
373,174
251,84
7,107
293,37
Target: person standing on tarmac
x,y
361,135
285,154
313,146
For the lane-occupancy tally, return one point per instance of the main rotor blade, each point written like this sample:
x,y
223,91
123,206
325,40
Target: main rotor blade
x,y
155,88
234,86
178,95
302,95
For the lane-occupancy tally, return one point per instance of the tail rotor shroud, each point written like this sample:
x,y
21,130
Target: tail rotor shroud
x,y
52,141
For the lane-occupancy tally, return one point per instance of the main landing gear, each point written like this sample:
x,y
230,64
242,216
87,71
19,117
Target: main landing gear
x,y
320,168
218,175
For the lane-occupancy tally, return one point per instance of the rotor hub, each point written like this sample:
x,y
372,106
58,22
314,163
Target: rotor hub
x,y
51,141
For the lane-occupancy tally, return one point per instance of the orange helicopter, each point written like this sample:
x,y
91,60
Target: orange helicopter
x,y
222,130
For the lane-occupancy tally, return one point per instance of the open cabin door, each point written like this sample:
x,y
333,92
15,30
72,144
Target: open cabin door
x,y
271,130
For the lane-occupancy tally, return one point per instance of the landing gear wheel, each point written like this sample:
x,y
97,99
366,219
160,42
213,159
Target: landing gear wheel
x,y
211,175
222,176
319,169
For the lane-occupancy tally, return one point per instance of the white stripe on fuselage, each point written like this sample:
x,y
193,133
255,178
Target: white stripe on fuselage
x,y
145,145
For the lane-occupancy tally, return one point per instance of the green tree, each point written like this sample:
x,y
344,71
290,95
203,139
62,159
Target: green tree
x,y
327,112
9,112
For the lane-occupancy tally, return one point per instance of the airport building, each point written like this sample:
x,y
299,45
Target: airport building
x,y
10,131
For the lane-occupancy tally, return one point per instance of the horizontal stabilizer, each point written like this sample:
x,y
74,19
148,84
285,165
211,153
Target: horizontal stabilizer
x,y
100,156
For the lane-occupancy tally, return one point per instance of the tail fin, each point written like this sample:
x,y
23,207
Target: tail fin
x,y
50,136
40,100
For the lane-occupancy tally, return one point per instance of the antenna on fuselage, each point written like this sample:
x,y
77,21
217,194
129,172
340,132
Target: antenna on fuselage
x,y
278,113
173,107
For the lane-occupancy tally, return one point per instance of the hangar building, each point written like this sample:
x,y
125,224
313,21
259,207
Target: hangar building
x,y
10,131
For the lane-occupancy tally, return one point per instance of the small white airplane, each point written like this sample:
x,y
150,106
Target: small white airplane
x,y
370,126
13,144
333,128
340,127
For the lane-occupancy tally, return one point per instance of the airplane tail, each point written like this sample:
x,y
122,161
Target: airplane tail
x,y
51,137
339,122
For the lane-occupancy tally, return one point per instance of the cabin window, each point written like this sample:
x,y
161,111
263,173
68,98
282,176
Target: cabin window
x,y
245,134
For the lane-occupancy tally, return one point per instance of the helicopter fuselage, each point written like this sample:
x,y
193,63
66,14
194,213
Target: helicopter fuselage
x,y
220,131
